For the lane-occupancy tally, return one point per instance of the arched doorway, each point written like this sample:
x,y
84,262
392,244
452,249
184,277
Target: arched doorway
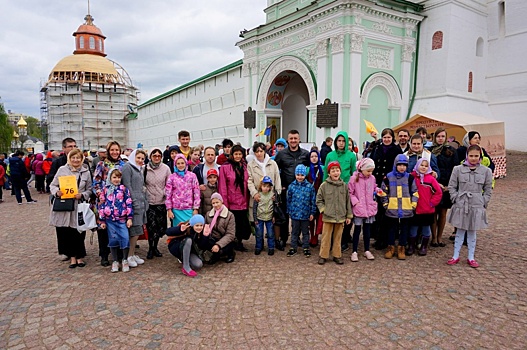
x,y
286,91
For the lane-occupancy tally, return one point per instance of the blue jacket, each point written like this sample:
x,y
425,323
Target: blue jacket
x,y
301,200
17,168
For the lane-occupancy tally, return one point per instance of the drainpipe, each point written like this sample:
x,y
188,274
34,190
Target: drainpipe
x,y
415,71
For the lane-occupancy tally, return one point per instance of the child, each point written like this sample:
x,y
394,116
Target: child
x,y
362,189
470,189
430,195
210,188
400,201
333,202
315,176
195,155
182,192
263,216
116,214
301,207
182,242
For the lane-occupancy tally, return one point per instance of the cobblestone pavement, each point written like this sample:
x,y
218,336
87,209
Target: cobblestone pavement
x,y
268,302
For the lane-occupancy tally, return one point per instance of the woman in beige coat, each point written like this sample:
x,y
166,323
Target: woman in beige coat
x,y
66,221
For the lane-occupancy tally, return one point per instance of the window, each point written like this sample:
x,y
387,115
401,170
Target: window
x,y
437,40
479,47
92,43
469,81
100,44
81,42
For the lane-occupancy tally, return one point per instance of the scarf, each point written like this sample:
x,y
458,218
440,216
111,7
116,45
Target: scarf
x,y
263,164
239,176
216,214
152,164
437,149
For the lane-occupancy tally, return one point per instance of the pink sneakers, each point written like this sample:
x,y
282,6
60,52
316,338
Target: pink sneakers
x,y
190,273
452,261
472,263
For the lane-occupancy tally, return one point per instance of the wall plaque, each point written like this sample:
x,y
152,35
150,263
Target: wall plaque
x,y
249,119
327,114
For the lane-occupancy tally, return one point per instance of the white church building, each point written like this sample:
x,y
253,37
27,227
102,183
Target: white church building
x,y
382,60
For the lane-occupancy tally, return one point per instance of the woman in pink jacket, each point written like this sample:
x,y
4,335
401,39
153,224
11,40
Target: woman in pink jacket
x,y
182,193
232,186
40,176
363,188
430,195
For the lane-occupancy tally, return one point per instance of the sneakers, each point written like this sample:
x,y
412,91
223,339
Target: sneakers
x,y
190,273
307,253
126,265
354,257
321,261
131,261
472,263
137,260
291,252
338,261
115,266
369,255
32,201
452,261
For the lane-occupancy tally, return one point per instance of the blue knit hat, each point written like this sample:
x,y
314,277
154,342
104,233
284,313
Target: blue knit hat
x,y
197,219
281,141
300,169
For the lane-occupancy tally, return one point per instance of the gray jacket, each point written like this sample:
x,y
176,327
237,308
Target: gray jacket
x,y
133,179
69,218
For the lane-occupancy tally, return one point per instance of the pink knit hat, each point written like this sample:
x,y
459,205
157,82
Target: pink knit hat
x,y
216,196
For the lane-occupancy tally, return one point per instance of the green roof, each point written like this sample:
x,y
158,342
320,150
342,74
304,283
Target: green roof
x,y
184,86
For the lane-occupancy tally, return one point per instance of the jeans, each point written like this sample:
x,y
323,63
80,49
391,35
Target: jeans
x,y
21,185
300,226
425,231
260,234
405,227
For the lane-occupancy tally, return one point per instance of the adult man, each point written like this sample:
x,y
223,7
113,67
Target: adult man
x,y
227,145
19,177
424,134
166,154
402,140
67,145
209,163
325,148
417,151
101,155
287,160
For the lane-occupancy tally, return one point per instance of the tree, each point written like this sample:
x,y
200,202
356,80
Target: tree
x,y
6,131
33,127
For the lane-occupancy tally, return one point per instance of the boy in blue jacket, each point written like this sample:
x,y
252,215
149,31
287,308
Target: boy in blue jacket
x,y
301,207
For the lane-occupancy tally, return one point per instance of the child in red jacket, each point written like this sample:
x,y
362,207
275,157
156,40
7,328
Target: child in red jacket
x,y
430,195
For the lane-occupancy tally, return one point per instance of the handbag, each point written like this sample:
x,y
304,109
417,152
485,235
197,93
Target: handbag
x,y
278,213
85,217
64,204
144,236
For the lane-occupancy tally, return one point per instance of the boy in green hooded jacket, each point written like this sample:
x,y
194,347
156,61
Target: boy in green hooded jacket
x,y
346,158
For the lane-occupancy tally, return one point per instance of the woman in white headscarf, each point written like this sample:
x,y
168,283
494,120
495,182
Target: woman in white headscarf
x,y
133,179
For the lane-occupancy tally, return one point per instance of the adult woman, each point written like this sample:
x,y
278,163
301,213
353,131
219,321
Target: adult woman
x,y
383,156
417,151
113,159
232,185
262,165
133,180
447,159
156,178
71,241
219,238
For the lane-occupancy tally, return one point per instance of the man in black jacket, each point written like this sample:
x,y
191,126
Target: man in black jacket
x,y
67,145
19,177
287,160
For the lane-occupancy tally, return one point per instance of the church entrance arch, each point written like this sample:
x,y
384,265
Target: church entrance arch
x,y
286,91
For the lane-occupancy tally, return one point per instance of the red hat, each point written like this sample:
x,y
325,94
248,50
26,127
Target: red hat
x,y
212,172
333,164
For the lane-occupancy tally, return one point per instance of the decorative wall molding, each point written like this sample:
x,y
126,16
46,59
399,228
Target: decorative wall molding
x,y
282,64
337,43
382,27
321,48
246,70
357,41
408,50
388,83
380,57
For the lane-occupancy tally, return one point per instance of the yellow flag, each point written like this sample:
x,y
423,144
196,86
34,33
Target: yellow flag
x,y
370,127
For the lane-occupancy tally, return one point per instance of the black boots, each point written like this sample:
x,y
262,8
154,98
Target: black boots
x,y
152,249
411,246
424,246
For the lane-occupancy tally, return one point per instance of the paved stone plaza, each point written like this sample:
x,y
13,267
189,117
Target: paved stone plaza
x,y
268,302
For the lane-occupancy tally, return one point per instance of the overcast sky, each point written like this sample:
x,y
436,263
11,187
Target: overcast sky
x,y
161,43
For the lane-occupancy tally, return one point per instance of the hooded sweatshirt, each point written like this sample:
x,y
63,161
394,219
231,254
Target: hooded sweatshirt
x,y
345,157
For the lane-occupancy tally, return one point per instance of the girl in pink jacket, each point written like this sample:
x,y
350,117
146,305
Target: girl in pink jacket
x,y
430,195
363,188
182,193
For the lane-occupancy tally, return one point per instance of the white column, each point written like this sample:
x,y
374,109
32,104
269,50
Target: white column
x,y
406,76
322,63
337,78
357,41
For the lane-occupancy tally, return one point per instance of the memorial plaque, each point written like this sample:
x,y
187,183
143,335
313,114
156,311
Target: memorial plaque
x,y
249,119
327,114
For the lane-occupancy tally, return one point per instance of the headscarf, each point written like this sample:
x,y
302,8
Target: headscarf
x,y
110,187
418,164
469,136
176,170
132,162
152,164
365,164
239,174
314,168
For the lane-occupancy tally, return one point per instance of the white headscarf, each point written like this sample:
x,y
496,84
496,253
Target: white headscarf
x,y
131,160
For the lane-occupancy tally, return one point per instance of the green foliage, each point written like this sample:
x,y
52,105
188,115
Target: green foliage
x,y
6,131
33,127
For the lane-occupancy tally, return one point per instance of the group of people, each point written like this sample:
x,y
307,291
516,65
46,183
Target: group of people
x,y
393,191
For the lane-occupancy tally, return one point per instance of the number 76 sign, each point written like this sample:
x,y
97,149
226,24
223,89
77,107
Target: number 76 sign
x,y
68,186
